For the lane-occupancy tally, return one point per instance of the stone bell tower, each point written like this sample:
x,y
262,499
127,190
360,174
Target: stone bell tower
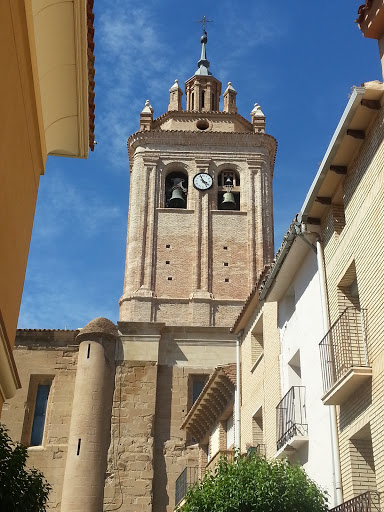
x,y
200,230
192,254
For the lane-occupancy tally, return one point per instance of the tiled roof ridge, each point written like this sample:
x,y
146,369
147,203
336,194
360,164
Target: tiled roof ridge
x,y
46,330
91,72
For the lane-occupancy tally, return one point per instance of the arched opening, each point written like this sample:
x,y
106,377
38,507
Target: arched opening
x,y
228,195
176,185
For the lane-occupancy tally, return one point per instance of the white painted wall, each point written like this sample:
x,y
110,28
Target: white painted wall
x,y
301,330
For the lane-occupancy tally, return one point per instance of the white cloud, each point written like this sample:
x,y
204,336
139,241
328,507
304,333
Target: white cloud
x,y
131,40
61,206
66,305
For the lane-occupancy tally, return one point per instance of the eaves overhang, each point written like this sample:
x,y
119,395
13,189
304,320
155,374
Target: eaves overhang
x,y
347,139
61,37
213,402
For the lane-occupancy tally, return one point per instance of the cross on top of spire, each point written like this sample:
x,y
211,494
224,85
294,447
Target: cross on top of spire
x,y
203,64
203,21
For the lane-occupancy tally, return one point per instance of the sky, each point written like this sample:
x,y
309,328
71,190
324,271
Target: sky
x,y
297,59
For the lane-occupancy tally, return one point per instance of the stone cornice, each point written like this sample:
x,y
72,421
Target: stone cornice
x,y
242,141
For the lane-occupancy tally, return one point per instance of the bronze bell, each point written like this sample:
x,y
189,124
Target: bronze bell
x,y
177,200
228,202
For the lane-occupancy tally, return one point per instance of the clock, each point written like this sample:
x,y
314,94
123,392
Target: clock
x,y
202,181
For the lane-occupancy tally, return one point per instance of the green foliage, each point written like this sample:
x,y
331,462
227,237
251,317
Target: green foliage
x,y
21,489
255,484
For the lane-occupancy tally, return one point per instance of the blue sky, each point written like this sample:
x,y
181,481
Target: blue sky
x,y
297,59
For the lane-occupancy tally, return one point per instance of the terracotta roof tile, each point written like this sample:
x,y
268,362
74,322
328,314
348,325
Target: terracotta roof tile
x,y
91,73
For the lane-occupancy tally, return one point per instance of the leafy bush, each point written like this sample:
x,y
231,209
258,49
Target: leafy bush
x,y
21,489
255,484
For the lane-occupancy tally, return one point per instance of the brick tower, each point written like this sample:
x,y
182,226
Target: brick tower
x,y
200,230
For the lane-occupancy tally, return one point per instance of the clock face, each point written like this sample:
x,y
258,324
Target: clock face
x,y
203,181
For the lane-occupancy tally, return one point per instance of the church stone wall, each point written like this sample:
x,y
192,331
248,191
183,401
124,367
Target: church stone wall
x,y
129,477
44,357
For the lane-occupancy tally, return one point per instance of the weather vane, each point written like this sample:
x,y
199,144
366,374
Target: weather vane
x,y
204,21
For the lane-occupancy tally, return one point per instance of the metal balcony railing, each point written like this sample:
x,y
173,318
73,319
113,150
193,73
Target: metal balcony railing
x,y
344,346
184,481
367,502
291,416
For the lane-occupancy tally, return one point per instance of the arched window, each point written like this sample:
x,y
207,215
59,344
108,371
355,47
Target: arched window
x,y
228,196
176,184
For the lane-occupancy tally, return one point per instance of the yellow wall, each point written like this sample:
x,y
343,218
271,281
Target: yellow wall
x,y
21,162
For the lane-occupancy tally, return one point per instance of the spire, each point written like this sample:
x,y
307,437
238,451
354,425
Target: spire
x,y
203,63
203,89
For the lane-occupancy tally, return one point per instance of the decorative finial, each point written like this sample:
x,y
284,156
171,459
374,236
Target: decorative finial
x,y
257,112
147,108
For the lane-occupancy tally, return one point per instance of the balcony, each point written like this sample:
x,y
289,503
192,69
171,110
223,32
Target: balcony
x,y
228,454
367,502
292,427
344,356
185,480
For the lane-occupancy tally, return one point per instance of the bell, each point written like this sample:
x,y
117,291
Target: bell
x,y
177,200
228,202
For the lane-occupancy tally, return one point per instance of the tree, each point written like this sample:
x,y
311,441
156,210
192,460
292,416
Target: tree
x,y
21,489
255,484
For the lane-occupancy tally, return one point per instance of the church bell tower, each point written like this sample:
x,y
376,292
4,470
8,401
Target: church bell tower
x,y
200,231
200,210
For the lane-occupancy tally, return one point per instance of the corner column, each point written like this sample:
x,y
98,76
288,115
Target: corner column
x,y
89,435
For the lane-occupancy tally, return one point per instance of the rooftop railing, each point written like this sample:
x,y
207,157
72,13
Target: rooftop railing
x,y
291,416
366,502
344,346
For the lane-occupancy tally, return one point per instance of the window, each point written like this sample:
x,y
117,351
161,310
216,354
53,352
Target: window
x,y
176,184
257,428
348,291
228,196
230,432
36,410
196,384
39,415
257,343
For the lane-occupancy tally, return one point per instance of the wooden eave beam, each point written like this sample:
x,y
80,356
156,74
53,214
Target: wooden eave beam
x,y
324,200
314,220
339,169
372,104
356,134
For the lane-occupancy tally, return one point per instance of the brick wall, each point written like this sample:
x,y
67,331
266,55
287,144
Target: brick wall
x,y
360,244
261,383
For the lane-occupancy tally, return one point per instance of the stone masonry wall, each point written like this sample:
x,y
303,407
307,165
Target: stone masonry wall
x,y
43,357
130,471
